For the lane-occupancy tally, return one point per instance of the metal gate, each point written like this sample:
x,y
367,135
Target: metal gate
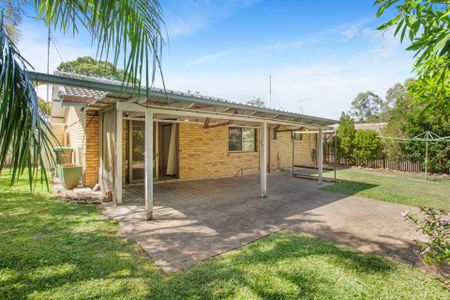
x,y
136,151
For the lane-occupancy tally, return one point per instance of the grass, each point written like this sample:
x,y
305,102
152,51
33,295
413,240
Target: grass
x,y
52,249
394,187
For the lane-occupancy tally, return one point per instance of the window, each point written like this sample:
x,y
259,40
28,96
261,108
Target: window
x,y
297,136
241,139
274,133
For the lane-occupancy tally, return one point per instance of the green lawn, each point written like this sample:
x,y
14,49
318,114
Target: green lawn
x,y
394,187
51,249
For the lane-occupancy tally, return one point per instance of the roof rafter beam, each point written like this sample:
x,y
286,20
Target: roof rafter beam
x,y
126,106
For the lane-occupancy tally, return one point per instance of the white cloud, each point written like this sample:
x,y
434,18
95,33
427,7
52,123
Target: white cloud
x,y
329,84
185,17
350,32
210,57
244,54
385,41
329,88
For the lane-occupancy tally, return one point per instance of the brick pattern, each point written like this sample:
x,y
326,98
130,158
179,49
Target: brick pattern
x,y
281,150
92,161
203,153
82,133
59,130
76,123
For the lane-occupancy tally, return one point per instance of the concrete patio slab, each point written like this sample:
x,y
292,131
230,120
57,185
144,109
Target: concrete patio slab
x,y
195,220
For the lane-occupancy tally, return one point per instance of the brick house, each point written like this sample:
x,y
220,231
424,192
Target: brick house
x,y
189,137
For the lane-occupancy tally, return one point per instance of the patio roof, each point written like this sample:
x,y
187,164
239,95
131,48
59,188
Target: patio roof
x,y
97,93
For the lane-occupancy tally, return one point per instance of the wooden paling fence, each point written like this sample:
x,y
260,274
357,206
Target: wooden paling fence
x,y
380,163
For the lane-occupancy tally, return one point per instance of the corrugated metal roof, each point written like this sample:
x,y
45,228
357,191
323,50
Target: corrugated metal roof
x,y
100,91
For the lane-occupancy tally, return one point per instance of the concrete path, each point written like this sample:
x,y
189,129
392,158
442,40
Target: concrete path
x,y
195,220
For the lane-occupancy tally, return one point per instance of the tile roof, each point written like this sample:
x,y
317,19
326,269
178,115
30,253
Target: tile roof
x,y
73,91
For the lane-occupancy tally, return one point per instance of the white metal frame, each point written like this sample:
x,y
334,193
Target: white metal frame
x,y
127,106
263,159
118,170
320,156
149,165
149,118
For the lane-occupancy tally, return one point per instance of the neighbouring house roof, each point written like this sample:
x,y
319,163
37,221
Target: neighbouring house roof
x,y
97,93
76,94
370,126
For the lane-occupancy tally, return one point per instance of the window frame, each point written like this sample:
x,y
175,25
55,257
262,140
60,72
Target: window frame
x,y
295,135
241,129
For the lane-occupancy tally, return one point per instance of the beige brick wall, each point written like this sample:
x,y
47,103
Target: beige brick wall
x,y
76,122
83,135
92,161
203,153
281,150
59,129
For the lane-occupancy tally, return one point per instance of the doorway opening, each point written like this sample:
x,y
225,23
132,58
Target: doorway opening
x,y
135,151
168,151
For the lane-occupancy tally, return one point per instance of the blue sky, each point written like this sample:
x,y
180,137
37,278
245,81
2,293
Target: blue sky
x,y
320,54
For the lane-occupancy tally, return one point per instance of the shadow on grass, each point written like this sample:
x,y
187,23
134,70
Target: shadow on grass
x,y
349,187
51,249
282,265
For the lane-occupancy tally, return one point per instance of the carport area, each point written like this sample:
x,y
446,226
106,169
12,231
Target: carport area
x,y
194,220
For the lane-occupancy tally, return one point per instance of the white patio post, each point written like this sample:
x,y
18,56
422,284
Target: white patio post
x,y
320,156
148,165
118,173
263,159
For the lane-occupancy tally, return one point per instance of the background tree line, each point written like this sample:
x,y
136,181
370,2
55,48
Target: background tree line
x,y
405,117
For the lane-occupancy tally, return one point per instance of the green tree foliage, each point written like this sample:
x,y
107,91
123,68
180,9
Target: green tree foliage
x,y
346,137
408,119
45,107
400,99
87,65
13,11
366,146
366,107
416,122
130,32
426,24
256,102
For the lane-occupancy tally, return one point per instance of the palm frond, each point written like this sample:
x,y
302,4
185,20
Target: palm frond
x,y
127,30
25,135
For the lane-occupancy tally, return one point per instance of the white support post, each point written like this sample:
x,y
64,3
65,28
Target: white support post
x,y
320,156
148,165
118,175
263,159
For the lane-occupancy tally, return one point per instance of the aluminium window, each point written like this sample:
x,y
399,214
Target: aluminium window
x,y
297,136
241,139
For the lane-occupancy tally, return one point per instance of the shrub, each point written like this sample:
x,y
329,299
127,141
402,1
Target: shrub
x,y
346,136
435,224
366,146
